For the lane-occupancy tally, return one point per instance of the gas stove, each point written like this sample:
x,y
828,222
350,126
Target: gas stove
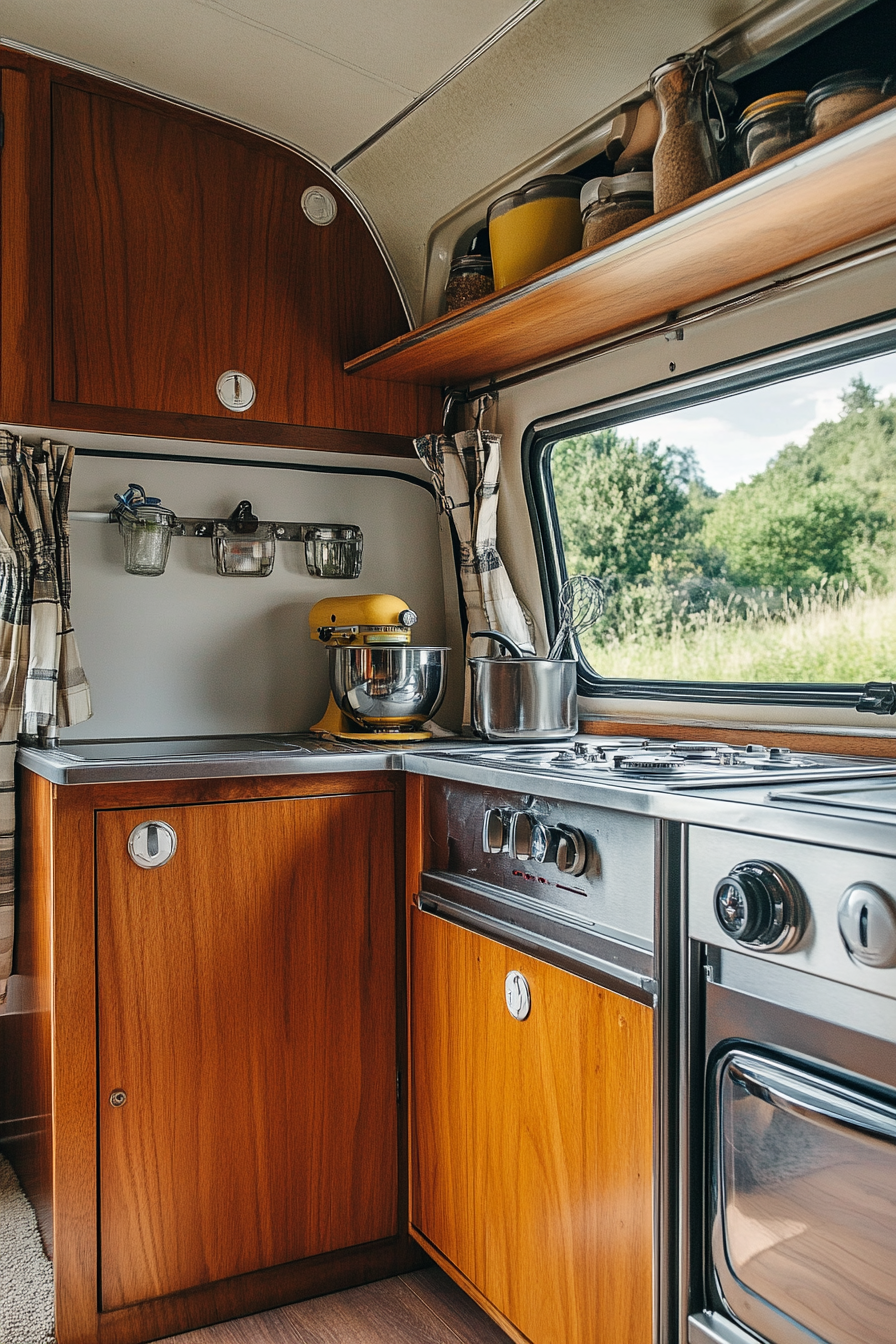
x,y
640,762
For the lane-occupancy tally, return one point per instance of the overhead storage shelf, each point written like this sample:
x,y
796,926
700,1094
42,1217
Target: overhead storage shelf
x,y
834,191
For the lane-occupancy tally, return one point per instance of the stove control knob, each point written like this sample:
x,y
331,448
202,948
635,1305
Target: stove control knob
x,y
572,850
761,906
494,831
867,919
529,838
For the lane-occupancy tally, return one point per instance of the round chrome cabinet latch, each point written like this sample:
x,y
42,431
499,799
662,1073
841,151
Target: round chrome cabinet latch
x,y
118,1098
761,907
235,390
152,844
319,205
867,919
517,995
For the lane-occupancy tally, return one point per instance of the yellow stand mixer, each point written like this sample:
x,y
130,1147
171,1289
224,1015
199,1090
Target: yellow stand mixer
x,y
382,688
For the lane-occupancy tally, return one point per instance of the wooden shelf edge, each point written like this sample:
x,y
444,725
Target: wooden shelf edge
x,y
831,192
212,429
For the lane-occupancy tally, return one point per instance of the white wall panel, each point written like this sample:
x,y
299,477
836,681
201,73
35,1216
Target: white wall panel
x,y
191,652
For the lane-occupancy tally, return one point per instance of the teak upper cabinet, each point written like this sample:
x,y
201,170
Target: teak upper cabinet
x,y
160,249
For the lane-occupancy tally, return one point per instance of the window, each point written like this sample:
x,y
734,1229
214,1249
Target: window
x,y
745,539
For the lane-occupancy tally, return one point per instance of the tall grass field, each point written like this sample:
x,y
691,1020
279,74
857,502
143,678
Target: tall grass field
x,y
853,641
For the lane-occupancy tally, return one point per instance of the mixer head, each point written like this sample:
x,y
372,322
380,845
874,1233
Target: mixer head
x,y
368,618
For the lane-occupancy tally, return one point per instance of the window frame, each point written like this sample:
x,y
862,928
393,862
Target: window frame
x,y
775,363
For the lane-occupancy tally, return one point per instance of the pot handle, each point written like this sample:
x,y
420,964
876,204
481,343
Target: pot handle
x,y
504,640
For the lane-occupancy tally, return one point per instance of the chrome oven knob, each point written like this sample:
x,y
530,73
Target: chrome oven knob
x,y
867,919
529,838
572,850
761,907
494,831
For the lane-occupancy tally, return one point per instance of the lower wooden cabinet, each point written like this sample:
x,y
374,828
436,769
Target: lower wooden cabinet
x,y
227,1034
247,1011
531,1140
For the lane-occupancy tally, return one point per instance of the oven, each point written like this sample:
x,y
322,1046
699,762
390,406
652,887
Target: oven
x,y
791,1229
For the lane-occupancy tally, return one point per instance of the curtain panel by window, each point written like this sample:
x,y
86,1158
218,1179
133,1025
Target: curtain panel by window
x,y
466,470
42,683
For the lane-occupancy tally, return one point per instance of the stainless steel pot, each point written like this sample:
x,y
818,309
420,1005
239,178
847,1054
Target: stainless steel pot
x,y
388,687
522,698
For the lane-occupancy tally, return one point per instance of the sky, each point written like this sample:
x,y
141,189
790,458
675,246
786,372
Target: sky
x,y
735,437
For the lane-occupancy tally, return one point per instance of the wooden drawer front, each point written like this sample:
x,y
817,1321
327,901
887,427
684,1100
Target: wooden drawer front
x,y
247,1008
531,1141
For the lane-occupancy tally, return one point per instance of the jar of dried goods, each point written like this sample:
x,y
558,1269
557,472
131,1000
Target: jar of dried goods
x,y
771,125
470,278
611,204
842,97
533,227
685,159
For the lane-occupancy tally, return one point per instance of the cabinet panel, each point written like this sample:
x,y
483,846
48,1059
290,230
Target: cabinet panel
x,y
246,1001
180,250
532,1140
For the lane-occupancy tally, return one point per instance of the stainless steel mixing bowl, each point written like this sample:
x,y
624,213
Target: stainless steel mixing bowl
x,y
389,687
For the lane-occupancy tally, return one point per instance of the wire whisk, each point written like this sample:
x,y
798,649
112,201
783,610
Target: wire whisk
x,y
581,605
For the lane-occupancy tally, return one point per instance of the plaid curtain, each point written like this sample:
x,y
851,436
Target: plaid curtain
x,y
42,683
465,470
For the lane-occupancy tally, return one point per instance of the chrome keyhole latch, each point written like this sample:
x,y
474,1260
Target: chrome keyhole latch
x,y
517,995
235,390
152,844
117,1098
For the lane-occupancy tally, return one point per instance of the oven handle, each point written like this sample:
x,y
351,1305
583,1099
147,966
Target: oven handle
x,y
830,1107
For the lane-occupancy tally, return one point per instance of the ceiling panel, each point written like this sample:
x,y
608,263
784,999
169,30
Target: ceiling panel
x,y
324,74
410,43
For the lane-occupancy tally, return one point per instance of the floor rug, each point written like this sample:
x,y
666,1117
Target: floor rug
x,y
26,1275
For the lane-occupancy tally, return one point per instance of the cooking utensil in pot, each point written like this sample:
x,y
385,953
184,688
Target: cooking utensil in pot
x,y
581,605
504,640
522,698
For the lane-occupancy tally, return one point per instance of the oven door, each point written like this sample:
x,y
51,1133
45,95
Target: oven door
x,y
803,1187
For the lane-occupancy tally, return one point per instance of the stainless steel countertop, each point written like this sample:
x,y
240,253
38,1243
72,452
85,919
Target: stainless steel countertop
x,y
93,761
750,808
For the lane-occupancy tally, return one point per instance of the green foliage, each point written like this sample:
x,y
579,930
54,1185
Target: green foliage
x,y
809,534
623,505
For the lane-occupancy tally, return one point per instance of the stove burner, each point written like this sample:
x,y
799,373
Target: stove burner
x,y
660,764
640,756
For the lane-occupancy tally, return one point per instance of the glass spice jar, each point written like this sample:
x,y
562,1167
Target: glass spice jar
x,y
685,159
841,97
771,125
611,204
470,278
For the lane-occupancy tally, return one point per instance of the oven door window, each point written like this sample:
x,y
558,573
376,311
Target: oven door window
x,y
804,1233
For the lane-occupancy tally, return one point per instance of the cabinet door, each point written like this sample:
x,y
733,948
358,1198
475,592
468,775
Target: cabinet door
x,y
247,1009
532,1151
181,250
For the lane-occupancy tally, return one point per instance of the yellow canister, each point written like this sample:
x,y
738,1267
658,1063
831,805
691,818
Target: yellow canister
x,y
533,227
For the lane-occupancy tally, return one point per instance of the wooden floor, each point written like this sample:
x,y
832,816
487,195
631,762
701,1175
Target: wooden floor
x,y
420,1308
